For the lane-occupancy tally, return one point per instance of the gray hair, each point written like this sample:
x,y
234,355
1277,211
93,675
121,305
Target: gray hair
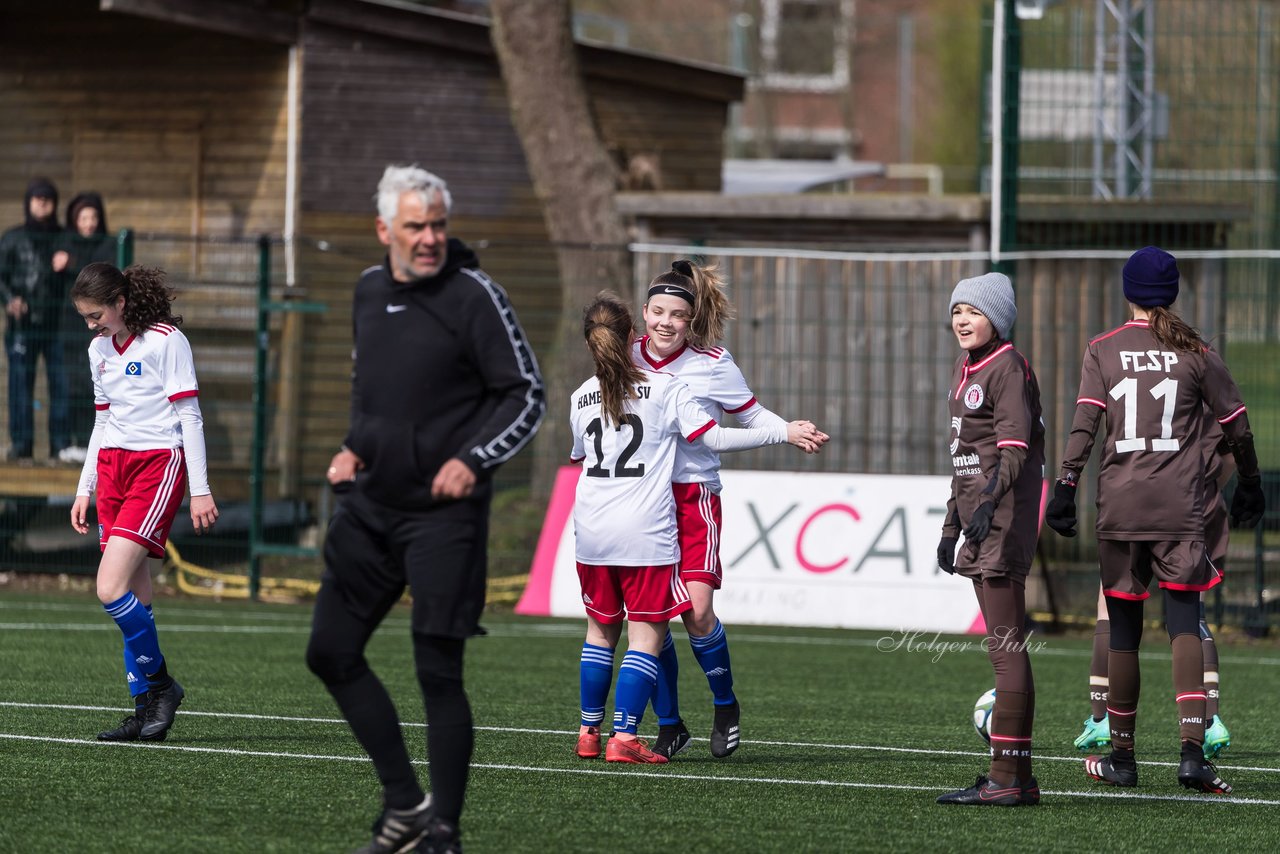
x,y
398,180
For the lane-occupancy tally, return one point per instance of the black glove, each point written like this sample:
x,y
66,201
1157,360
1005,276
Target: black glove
x,y
980,523
1061,512
1248,503
947,554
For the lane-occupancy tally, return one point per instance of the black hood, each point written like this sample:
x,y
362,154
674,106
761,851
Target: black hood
x,y
80,202
45,189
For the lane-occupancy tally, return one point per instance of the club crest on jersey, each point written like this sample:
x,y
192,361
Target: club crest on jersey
x,y
133,369
955,443
102,368
973,396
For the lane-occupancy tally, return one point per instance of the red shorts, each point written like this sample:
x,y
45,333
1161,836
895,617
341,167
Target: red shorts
x,y
698,525
645,594
139,493
1128,566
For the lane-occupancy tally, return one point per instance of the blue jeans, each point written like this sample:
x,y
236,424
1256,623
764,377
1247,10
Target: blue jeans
x,y
24,346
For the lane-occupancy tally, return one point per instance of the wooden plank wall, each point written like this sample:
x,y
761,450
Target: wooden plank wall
x,y
183,133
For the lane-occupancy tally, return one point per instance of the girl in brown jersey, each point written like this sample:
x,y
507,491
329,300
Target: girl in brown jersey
x,y
997,451
1152,379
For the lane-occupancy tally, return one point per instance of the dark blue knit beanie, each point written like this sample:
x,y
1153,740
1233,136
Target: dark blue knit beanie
x,y
1151,278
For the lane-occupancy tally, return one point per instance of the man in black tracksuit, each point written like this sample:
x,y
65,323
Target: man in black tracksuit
x,y
445,389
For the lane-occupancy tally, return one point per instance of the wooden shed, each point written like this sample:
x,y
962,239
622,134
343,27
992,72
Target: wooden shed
x,y
206,124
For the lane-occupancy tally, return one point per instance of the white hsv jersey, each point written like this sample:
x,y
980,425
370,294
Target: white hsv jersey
x,y
138,382
717,385
625,513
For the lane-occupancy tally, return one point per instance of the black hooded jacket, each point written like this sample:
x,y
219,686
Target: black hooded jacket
x,y
26,261
442,370
83,251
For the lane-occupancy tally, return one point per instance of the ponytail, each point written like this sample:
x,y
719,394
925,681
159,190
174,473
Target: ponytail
x,y
1174,332
607,326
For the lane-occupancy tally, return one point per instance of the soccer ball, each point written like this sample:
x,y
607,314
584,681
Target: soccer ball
x,y
982,714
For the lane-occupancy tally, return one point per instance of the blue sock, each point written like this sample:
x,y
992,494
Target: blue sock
x,y
595,674
133,677
140,640
666,698
712,653
636,678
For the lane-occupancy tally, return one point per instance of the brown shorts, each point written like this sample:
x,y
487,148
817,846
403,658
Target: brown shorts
x,y
1128,567
1215,528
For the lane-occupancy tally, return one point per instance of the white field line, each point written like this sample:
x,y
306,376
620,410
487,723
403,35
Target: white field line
x,y
919,643
816,745
538,769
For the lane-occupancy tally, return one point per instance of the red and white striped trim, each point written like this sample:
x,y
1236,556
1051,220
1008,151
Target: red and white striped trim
x,y
704,428
1189,695
1101,404
1012,443
706,508
1233,416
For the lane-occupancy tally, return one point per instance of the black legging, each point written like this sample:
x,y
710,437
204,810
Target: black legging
x,y
335,653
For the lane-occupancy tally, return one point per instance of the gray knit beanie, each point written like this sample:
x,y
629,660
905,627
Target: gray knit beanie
x,y
991,294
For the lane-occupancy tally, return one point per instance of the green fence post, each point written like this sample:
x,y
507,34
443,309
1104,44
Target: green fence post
x,y
124,248
1009,108
256,472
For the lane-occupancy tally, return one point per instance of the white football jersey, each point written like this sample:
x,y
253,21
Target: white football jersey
x,y
717,385
138,383
624,513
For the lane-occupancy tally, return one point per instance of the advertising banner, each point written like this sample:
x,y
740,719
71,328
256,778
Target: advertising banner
x,y
837,550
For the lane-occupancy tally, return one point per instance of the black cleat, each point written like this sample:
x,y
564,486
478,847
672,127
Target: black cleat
x,y
987,792
127,731
1030,793
157,717
672,738
1109,769
724,730
1202,776
441,838
396,831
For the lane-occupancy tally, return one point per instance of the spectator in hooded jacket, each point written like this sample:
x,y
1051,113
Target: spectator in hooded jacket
x,y
33,310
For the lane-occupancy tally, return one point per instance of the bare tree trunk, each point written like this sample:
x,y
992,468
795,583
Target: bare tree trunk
x,y
575,180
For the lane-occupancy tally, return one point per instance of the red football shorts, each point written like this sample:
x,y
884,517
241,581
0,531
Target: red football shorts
x,y
139,493
698,525
645,594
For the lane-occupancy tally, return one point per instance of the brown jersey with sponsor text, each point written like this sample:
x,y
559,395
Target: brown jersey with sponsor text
x,y
1154,462
995,403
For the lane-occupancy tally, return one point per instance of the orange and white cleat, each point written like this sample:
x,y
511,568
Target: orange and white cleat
x,y
633,750
588,742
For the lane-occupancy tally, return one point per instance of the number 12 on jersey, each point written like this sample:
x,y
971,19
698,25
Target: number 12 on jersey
x,y
1127,391
595,431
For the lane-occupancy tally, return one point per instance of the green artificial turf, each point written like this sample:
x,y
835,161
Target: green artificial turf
x,y
847,739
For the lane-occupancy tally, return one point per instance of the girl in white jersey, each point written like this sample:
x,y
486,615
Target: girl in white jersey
x,y
684,317
627,423
147,444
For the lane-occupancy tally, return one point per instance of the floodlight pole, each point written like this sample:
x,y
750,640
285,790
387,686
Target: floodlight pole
x,y
1125,117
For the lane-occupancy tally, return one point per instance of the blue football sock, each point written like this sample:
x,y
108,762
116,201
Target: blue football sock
x,y
140,640
712,653
133,677
595,674
636,677
666,697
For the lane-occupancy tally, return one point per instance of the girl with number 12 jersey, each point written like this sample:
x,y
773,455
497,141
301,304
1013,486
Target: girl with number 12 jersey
x,y
627,424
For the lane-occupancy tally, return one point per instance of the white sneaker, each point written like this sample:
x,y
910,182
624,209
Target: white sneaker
x,y
73,454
